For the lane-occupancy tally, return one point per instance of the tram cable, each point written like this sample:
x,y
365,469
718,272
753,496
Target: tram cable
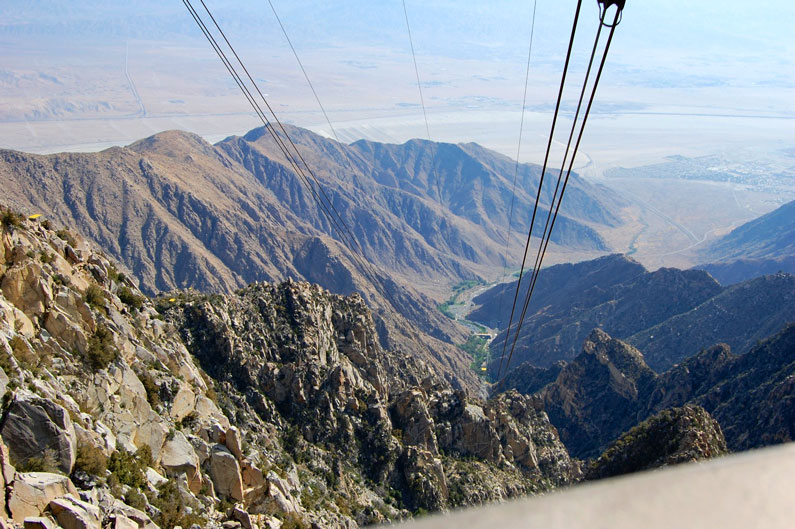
x,y
422,102
551,218
541,182
327,208
518,151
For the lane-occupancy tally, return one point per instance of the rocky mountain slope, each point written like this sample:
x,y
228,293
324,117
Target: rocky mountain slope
x,y
768,237
275,406
609,388
740,316
668,314
671,437
179,212
732,272
763,246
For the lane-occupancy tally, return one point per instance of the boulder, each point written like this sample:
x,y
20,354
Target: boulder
x,y
225,473
183,404
233,442
38,522
271,522
154,478
32,492
120,509
6,475
25,287
14,320
122,522
240,514
73,513
34,425
252,476
207,408
73,305
278,499
201,448
66,331
178,458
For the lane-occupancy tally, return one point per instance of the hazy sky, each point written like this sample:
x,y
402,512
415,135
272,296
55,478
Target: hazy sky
x,y
674,66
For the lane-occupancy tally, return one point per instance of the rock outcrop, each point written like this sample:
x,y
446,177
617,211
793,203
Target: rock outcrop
x,y
310,364
30,493
275,404
35,427
671,437
595,398
609,388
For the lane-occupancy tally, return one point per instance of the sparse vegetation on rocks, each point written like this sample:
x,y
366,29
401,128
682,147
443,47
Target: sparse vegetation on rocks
x,y
278,404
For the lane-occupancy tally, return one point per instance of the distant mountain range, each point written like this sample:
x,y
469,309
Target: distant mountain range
x,y
741,270
762,246
180,212
669,314
770,236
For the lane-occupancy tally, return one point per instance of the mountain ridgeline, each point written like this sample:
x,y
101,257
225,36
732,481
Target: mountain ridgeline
x,y
179,212
770,236
608,388
765,245
669,314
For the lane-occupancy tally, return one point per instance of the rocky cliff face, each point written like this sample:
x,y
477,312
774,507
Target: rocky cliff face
x,y
594,399
309,361
609,388
668,314
671,437
273,406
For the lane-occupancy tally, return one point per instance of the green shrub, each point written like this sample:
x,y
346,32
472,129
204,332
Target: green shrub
x,y
11,219
129,298
189,421
60,279
101,349
444,308
293,520
47,462
91,460
144,456
478,349
113,273
127,468
136,499
151,388
173,508
95,297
